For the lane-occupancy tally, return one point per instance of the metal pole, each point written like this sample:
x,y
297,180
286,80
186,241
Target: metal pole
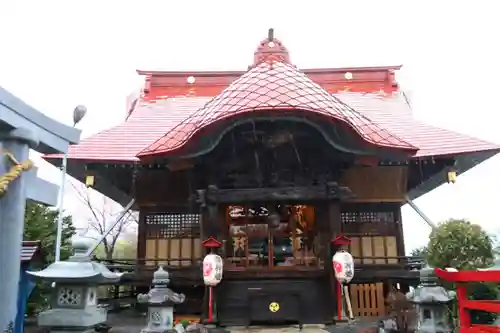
x,y
420,213
60,207
106,233
12,206
78,114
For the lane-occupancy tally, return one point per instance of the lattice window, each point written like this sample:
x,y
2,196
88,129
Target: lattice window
x,y
367,217
173,225
156,318
92,297
69,296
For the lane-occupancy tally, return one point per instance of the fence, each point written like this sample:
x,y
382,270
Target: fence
x,y
367,299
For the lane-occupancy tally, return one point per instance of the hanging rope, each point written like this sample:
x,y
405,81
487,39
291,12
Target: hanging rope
x,y
15,171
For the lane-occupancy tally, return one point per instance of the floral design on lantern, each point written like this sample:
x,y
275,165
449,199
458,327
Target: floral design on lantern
x,y
343,265
212,269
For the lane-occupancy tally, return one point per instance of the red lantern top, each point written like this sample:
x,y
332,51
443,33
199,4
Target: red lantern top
x,y
211,243
340,240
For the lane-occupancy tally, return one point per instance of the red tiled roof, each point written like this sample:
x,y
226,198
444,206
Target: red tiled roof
x,y
274,85
151,120
393,113
147,123
158,124
29,250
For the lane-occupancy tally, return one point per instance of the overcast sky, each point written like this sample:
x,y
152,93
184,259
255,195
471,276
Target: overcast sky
x,y
56,54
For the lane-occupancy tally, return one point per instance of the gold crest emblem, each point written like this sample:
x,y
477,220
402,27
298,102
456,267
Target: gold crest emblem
x,y
274,307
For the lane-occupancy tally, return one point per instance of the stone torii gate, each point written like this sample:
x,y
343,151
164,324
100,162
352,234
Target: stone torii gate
x,y
21,128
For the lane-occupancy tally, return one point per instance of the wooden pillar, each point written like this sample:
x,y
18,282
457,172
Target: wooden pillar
x,y
465,320
141,238
212,227
400,242
334,230
334,219
212,218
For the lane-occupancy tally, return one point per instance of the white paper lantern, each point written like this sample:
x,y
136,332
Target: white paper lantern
x,y
212,269
343,266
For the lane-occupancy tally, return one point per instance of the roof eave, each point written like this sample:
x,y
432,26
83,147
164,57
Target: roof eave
x,y
76,169
56,158
464,162
239,73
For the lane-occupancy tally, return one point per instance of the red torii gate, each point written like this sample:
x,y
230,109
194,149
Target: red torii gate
x,y
465,304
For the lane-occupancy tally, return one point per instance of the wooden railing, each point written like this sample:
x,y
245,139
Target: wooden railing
x,y
256,261
134,264
406,262
131,264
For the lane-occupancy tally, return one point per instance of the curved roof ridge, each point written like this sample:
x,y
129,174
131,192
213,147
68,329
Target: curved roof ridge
x,y
274,85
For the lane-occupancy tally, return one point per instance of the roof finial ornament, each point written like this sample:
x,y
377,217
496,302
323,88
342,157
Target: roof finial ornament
x,y
270,50
270,35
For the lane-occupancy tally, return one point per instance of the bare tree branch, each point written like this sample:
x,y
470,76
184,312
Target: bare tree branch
x,y
102,215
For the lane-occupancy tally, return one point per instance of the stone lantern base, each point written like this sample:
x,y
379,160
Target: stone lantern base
x,y
79,320
158,330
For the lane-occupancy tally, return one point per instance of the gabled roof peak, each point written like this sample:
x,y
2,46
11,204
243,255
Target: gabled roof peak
x,y
271,49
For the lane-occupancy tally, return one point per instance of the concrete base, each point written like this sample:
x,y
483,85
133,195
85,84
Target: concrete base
x,y
84,330
59,319
159,330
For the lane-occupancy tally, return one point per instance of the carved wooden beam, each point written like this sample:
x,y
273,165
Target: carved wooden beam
x,y
328,191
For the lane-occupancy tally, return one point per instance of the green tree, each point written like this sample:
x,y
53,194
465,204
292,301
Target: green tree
x,y
419,252
466,246
124,249
460,244
40,224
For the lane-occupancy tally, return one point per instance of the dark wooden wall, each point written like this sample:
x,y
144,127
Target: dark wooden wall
x,y
301,300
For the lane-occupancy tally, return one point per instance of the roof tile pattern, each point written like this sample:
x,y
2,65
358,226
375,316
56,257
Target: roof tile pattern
x,y
150,120
395,114
147,123
274,85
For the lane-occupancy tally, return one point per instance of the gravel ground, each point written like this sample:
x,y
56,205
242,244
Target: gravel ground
x,y
134,322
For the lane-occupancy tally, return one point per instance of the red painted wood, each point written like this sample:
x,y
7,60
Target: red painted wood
x,y
468,276
464,304
168,99
487,305
340,240
339,301
462,311
211,243
482,329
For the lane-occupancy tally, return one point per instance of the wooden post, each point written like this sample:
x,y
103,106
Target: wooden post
x,y
337,243
211,244
334,229
142,238
465,321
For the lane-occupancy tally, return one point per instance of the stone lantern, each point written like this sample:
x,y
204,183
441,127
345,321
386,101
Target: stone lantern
x,y
161,301
74,299
432,304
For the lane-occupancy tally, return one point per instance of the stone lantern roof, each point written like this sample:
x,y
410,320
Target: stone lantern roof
x,y
160,294
77,269
429,292
161,277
